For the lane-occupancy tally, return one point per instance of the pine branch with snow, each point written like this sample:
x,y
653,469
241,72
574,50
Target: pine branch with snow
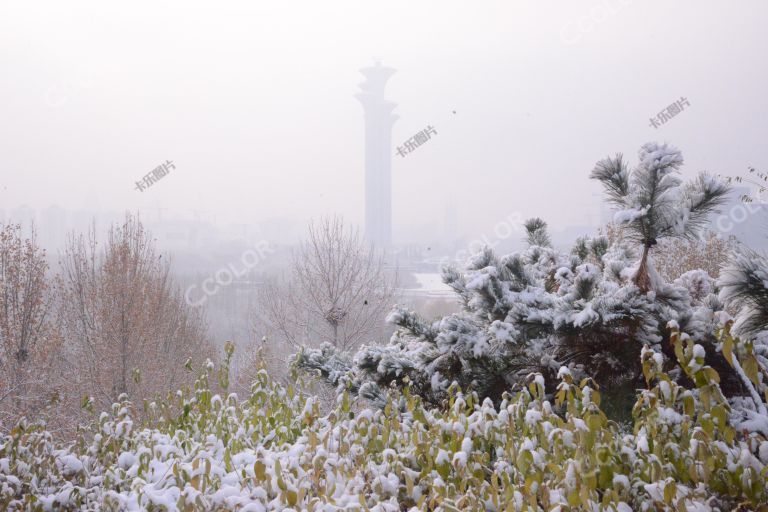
x,y
653,203
536,232
744,287
536,311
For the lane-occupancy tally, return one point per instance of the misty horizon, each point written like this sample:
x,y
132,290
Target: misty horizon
x,y
262,124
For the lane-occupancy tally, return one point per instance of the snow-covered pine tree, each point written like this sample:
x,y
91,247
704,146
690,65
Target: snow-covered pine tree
x,y
541,309
743,287
654,203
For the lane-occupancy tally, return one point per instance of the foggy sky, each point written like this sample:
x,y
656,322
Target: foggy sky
x,y
253,102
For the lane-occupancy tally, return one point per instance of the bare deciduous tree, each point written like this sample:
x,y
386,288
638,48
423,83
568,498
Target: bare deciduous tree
x,y
27,339
674,256
339,290
126,324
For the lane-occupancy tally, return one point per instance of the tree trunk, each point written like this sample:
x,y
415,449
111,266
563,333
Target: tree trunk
x,y
18,385
642,279
123,355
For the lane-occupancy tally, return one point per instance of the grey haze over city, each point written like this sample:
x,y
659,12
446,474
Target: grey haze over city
x,y
252,107
254,104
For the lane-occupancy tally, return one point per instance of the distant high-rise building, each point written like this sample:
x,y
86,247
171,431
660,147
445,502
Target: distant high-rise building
x,y
53,227
378,154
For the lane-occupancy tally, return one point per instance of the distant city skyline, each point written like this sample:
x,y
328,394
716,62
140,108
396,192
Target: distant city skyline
x,y
254,105
186,231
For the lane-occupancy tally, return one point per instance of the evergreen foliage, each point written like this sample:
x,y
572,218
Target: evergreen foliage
x,y
744,287
654,203
591,310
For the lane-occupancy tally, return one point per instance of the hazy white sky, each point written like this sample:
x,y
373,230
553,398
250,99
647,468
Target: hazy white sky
x,y
253,101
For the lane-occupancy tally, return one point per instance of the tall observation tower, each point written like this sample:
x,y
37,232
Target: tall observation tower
x,y
378,154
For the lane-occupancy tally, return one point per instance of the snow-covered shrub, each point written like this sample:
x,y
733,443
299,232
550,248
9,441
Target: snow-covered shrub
x,y
591,310
272,450
532,312
748,359
743,287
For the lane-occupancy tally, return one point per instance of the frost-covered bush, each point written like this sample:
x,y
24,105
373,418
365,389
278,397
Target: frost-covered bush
x,y
533,311
591,310
272,450
743,287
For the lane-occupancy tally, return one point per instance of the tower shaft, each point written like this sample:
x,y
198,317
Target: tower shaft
x,y
378,154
